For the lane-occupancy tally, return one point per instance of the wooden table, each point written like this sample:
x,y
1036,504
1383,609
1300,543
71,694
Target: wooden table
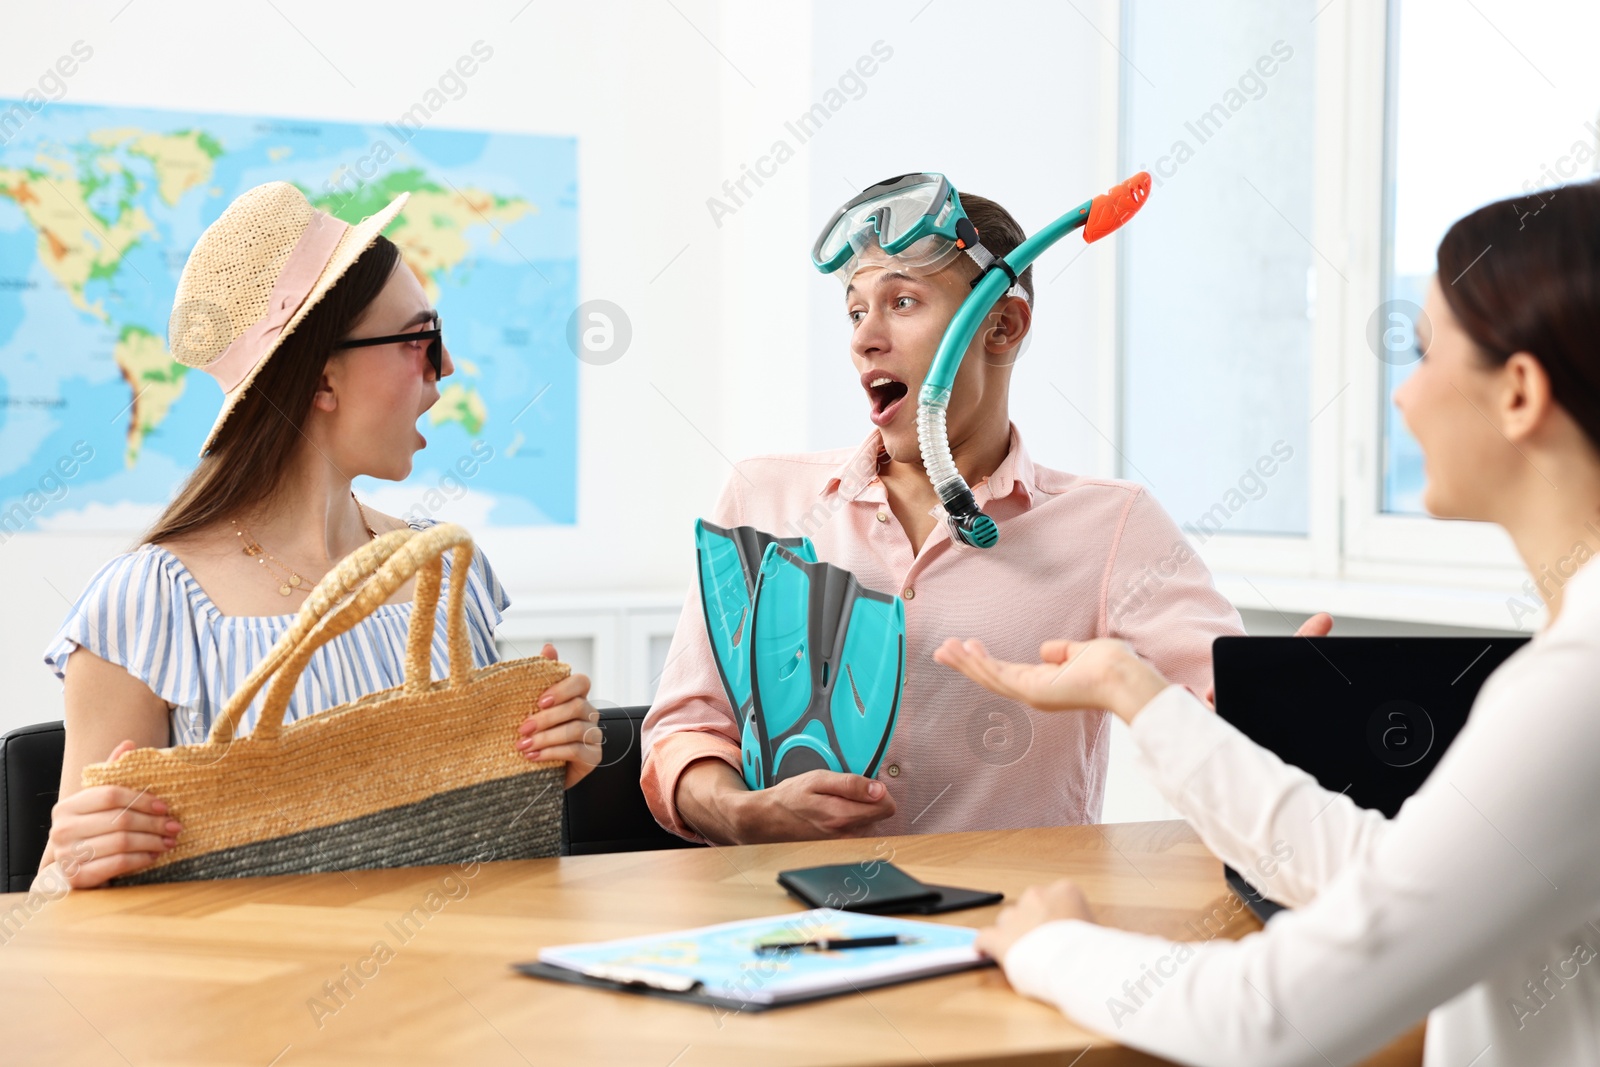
x,y
234,972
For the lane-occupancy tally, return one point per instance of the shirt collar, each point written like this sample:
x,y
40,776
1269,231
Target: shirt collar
x,y
852,480
1015,473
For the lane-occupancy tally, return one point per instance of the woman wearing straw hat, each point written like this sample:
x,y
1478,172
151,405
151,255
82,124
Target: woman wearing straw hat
x,y
327,354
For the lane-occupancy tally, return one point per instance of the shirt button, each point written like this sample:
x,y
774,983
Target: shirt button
x,y
883,516
894,770
909,593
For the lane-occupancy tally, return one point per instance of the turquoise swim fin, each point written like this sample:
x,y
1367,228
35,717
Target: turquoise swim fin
x,y
730,560
828,668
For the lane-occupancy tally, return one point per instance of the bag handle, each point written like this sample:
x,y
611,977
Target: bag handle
x,y
422,555
324,597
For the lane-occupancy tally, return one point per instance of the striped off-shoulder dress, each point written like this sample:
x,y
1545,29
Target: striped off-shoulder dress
x,y
146,613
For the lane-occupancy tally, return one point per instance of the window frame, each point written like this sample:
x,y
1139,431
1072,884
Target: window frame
x,y
1374,564
1376,543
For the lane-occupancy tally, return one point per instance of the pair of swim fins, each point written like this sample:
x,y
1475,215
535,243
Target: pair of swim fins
x,y
812,661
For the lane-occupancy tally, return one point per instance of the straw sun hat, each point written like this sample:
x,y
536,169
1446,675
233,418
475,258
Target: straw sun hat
x,y
253,276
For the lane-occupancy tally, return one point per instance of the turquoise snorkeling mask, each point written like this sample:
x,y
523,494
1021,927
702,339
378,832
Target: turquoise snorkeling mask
x,y
918,220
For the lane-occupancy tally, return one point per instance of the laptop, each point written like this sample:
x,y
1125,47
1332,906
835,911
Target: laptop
x,y
1365,716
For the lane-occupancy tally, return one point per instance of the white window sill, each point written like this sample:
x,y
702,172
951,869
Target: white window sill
x,y
1385,601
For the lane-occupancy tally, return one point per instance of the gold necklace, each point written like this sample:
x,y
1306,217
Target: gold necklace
x,y
292,580
371,533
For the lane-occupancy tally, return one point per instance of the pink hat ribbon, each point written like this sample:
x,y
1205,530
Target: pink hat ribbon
x,y
295,282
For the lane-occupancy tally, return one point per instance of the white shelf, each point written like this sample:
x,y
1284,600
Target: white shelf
x,y
616,637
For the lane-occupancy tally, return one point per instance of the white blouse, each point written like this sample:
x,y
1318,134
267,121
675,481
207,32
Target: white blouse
x,y
1478,904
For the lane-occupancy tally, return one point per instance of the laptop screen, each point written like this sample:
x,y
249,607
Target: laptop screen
x,y
1365,716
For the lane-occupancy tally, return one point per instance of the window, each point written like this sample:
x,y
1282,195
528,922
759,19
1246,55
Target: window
x,y
1268,291
1218,285
1486,100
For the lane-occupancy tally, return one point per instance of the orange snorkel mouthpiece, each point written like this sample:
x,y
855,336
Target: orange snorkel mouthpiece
x,y
1111,209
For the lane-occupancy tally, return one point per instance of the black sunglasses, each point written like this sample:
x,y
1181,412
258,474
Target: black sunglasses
x,y
435,348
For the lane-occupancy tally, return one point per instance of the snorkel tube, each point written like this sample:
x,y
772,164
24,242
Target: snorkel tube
x,y
1098,217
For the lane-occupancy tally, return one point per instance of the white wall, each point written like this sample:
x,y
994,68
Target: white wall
x,y
738,346
1016,103
657,114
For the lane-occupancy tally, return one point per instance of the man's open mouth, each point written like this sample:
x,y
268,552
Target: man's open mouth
x,y
885,393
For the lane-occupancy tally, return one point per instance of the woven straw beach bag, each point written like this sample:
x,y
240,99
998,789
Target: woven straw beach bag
x,y
423,773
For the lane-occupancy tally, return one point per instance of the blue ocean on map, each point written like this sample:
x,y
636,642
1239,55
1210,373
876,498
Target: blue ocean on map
x,y
99,208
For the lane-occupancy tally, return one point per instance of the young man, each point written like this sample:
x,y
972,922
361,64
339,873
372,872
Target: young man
x,y
1077,558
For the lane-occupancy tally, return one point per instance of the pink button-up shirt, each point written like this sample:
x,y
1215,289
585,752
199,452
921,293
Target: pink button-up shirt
x,y
1078,558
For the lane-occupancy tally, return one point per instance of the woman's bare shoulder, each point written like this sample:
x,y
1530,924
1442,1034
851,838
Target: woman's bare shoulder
x,y
382,523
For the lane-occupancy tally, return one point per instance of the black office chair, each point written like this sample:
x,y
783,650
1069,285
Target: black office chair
x,y
606,812
30,778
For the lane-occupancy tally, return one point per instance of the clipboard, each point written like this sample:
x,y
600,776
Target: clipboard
x,y
719,965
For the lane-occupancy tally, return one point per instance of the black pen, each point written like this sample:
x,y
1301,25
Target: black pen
x,y
830,944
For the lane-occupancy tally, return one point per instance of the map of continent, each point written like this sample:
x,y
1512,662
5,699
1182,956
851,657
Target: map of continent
x,y
99,208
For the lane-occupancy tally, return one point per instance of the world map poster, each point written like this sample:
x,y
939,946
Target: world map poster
x,y
99,209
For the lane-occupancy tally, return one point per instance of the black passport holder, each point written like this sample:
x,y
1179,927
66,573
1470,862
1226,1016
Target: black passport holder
x,y
878,888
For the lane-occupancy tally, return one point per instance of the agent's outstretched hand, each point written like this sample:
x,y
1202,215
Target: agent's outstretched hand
x,y
1072,675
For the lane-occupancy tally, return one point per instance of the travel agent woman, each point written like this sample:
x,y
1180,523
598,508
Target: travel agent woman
x,y
327,353
1479,903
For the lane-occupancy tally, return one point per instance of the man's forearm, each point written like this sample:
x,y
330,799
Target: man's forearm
x,y
711,799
